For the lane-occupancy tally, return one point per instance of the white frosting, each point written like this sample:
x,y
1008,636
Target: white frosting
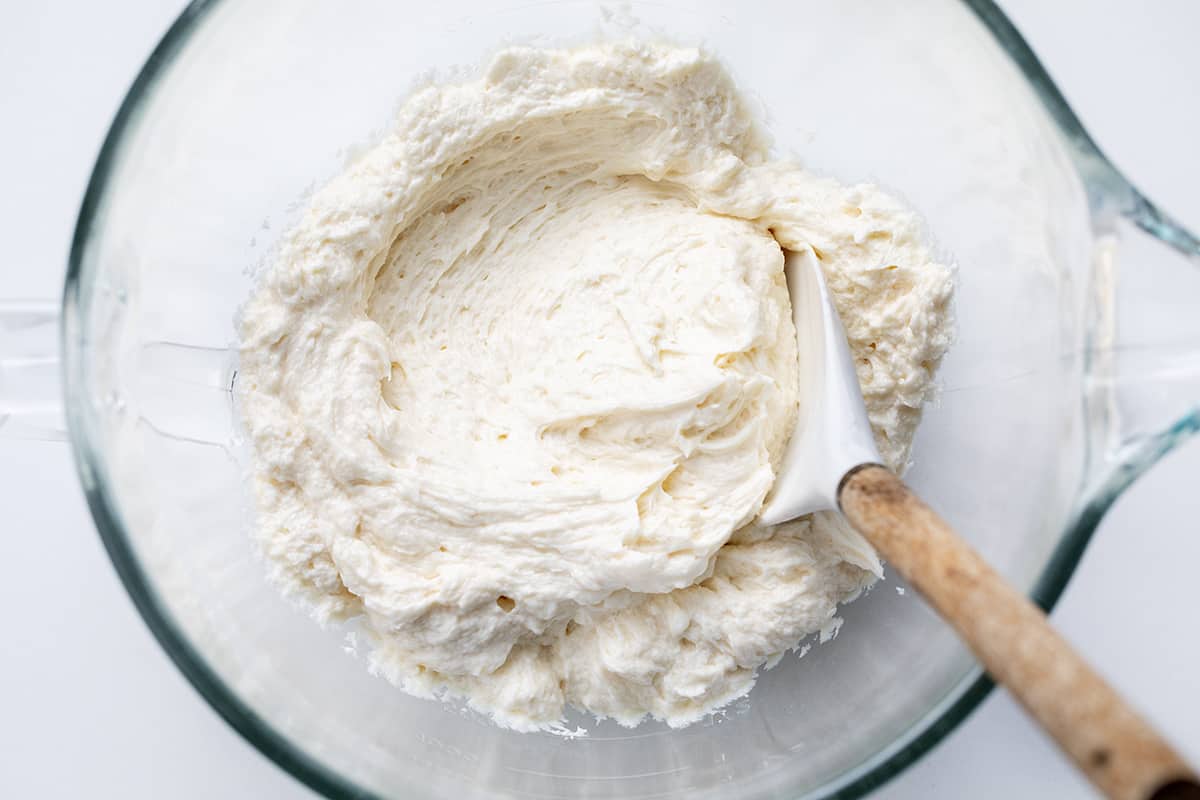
x,y
518,382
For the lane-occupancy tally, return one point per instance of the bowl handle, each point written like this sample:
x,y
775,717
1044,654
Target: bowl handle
x,y
192,386
30,374
1142,383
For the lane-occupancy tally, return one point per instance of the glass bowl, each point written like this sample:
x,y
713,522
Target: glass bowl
x,y
1060,390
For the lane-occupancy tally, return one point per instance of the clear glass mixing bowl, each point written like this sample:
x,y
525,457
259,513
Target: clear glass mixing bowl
x,y
1061,388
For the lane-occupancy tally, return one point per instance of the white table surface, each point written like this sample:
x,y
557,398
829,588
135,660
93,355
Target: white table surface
x,y
89,704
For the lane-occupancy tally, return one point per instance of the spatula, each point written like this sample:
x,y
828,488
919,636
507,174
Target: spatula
x,y
832,463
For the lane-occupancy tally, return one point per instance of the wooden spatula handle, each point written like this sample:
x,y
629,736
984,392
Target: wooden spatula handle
x,y
1119,752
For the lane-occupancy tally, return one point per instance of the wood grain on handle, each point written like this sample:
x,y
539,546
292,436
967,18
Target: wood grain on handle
x,y
1118,751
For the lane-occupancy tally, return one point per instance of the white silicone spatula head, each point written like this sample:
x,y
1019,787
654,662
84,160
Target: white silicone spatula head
x,y
832,433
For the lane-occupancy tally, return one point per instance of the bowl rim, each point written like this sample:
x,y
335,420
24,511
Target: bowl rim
x,y
920,738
